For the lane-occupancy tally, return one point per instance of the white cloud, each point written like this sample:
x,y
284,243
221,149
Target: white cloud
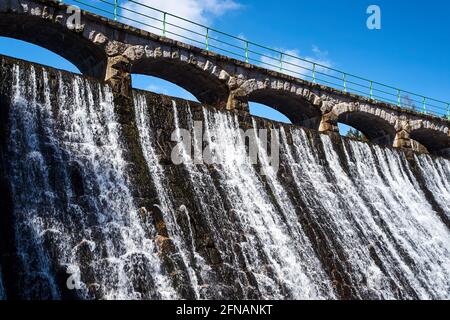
x,y
319,52
219,7
242,36
200,11
293,64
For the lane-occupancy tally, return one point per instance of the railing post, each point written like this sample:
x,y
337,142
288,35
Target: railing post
x,y
371,90
314,73
399,99
344,78
424,102
448,111
115,9
281,61
246,51
164,24
207,39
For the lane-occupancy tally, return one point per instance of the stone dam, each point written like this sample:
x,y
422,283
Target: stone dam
x,y
90,194
108,192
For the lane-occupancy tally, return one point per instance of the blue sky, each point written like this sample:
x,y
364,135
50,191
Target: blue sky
x,y
411,51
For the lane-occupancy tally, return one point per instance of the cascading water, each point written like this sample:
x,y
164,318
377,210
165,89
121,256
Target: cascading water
x,y
436,173
335,220
275,250
268,220
73,211
377,215
165,200
400,221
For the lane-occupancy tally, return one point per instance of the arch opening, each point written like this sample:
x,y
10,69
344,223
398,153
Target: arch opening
x,y
434,141
204,86
20,49
263,111
160,86
89,59
293,107
375,129
350,132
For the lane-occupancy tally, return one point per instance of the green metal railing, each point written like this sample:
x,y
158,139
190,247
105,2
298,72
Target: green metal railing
x,y
170,25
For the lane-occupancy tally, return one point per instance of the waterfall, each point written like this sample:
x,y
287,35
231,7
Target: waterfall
x,y
270,237
75,216
436,173
166,202
377,215
407,219
270,227
194,217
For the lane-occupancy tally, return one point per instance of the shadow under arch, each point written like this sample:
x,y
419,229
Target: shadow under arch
x,y
86,56
207,88
374,128
297,109
433,140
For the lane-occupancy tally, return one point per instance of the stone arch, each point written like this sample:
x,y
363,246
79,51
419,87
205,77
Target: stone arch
x,y
42,27
435,141
377,125
299,105
201,77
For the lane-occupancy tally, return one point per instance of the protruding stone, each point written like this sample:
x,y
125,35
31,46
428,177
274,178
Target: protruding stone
x,y
118,74
328,123
114,48
175,54
134,53
158,52
317,101
402,140
232,83
235,102
224,75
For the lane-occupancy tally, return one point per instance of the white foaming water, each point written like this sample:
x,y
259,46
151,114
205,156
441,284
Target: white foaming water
x,y
323,197
167,206
269,240
385,214
28,170
159,179
436,173
70,191
355,218
414,233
